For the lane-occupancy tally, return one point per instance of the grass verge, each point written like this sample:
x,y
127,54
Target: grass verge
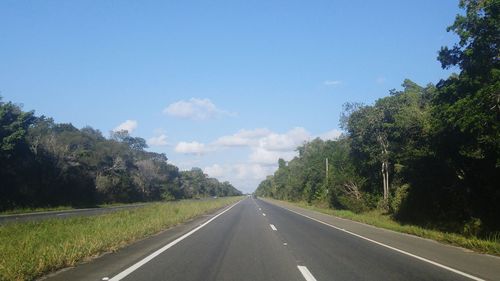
x,y
490,245
31,249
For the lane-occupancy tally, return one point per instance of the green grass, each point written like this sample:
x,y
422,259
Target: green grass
x,y
490,245
31,249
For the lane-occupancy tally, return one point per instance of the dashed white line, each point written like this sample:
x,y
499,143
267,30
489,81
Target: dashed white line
x,y
264,214
306,273
142,262
273,227
393,248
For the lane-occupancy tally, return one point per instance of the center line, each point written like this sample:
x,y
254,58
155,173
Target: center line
x,y
273,227
263,214
306,273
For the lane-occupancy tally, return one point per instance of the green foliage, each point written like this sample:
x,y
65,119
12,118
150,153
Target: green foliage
x,y
466,113
47,164
305,178
197,184
14,124
427,155
398,200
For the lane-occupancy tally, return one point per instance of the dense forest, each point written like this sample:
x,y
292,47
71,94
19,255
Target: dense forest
x,y
427,155
48,164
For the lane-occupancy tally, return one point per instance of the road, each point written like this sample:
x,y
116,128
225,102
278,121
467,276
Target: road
x,y
65,213
260,240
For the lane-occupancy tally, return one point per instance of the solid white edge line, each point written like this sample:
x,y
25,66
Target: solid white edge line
x,y
273,227
392,248
306,273
145,260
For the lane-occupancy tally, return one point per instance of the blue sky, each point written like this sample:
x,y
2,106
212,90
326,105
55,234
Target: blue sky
x,y
227,86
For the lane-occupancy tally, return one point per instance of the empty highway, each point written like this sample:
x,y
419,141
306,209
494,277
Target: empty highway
x,y
261,240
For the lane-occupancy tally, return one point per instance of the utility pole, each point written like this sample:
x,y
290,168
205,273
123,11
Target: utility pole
x,y
326,171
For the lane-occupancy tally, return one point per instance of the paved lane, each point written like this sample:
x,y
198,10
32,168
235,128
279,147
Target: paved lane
x,y
238,245
331,254
257,240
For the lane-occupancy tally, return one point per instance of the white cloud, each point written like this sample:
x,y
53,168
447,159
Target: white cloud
x,y
191,147
264,146
216,171
243,138
195,109
160,140
241,171
262,156
244,176
251,171
332,82
331,135
285,142
128,125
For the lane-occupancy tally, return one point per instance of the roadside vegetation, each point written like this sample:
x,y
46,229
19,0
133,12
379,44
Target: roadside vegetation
x,y
46,165
427,156
30,250
488,245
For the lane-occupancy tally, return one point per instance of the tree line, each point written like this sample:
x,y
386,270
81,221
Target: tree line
x,y
424,154
44,164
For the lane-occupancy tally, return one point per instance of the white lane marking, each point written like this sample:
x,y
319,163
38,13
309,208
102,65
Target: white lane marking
x,y
263,214
260,209
273,227
142,262
393,248
306,273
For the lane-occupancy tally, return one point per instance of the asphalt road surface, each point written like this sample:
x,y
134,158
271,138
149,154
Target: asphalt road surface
x,y
261,240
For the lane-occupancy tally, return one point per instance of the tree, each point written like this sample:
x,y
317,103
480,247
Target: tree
x,y
135,143
14,124
369,133
44,163
467,110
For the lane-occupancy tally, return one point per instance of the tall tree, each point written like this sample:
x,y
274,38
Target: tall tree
x,y
467,109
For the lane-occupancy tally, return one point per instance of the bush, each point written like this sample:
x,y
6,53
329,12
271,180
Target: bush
x,y
345,202
399,198
472,227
